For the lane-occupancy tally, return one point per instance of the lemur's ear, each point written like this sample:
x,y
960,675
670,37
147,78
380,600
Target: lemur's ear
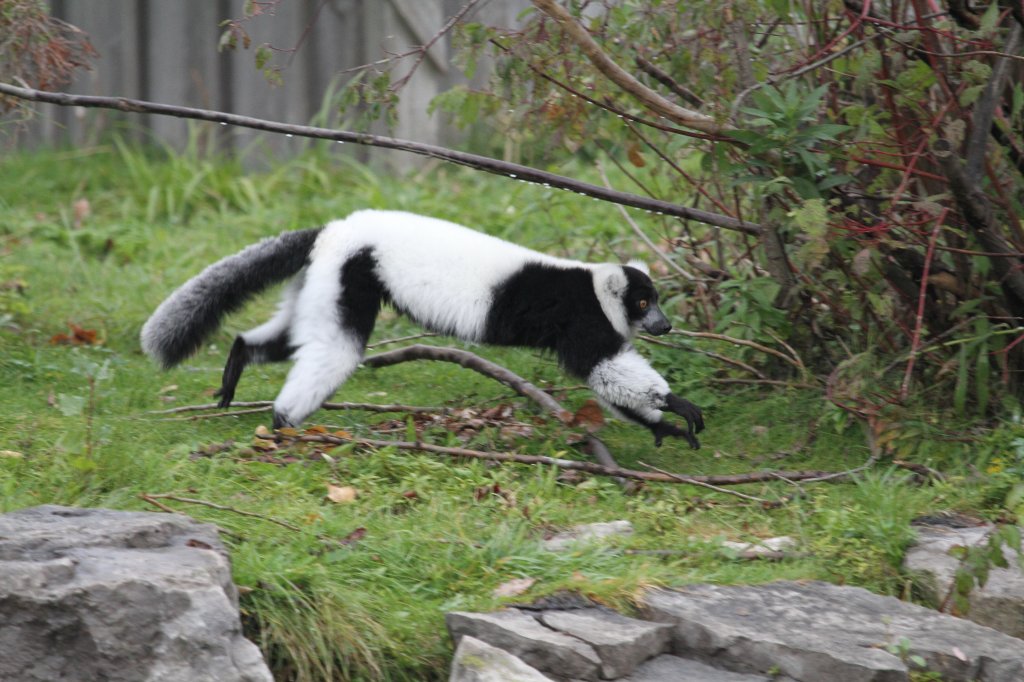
x,y
640,265
610,279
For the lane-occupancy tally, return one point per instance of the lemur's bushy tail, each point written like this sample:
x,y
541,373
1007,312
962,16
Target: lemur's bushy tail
x,y
183,321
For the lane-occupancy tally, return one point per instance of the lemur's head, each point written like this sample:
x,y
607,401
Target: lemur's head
x,y
630,300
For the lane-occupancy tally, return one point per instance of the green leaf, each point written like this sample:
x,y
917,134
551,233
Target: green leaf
x,y
70,405
83,464
964,583
982,372
1011,532
970,95
263,55
990,17
834,181
962,383
805,188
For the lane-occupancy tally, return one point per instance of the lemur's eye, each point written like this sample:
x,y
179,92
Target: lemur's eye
x,y
643,304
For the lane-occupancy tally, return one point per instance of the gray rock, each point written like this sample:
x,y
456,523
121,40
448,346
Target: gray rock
x,y
478,661
816,631
999,604
622,643
669,668
765,547
587,532
91,594
522,636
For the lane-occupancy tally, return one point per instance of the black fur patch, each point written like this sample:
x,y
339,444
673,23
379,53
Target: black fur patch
x,y
243,354
639,288
362,294
554,309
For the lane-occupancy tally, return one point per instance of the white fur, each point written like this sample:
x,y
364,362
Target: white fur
x,y
626,379
282,319
610,284
442,273
640,265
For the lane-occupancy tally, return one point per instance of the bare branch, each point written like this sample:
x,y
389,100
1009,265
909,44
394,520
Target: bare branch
x,y
984,109
709,486
657,74
475,161
263,405
421,51
643,237
151,497
795,362
615,73
577,465
477,364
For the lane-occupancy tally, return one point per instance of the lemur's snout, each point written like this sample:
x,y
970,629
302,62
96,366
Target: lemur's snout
x,y
655,322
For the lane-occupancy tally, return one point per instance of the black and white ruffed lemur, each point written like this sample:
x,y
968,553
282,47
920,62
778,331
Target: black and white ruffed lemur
x,y
450,279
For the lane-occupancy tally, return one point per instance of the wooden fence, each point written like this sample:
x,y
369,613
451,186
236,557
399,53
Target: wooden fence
x,y
167,51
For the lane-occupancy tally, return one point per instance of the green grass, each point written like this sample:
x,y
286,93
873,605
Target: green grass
x,y
435,538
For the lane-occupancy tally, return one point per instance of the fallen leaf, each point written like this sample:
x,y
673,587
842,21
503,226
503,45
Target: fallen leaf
x,y
341,494
589,416
13,454
79,336
635,157
353,537
167,389
263,445
198,544
81,209
262,431
514,587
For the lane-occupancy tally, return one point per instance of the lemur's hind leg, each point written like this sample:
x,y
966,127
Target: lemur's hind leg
x,y
268,342
330,342
244,353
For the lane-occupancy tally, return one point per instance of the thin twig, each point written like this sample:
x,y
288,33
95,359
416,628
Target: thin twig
x,y
765,382
721,358
920,469
575,465
915,341
702,484
421,51
643,237
476,363
216,415
156,503
401,339
262,405
150,497
679,89
626,81
741,342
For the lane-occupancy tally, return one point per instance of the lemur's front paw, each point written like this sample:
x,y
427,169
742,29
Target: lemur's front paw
x,y
688,411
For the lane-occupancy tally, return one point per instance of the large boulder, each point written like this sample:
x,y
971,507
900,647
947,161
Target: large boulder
x,y
94,594
814,631
783,632
998,604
